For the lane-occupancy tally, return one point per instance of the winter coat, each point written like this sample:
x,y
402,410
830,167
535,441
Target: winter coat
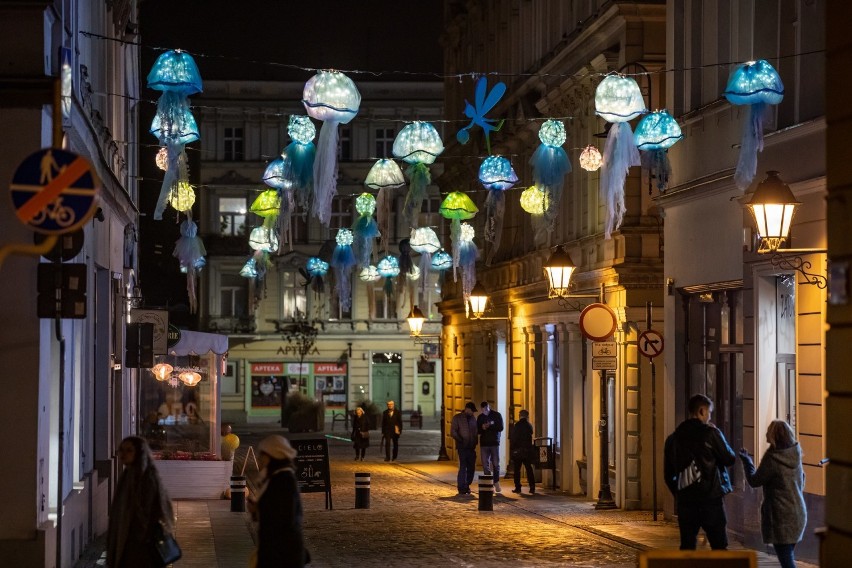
x,y
489,436
704,443
783,514
280,543
391,425
521,439
360,424
463,431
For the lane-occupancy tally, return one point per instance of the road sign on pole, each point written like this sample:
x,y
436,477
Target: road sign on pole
x,y
651,343
54,191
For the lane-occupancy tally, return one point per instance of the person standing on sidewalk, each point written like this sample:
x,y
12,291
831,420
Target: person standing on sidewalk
x,y
521,444
463,431
391,430
783,514
696,458
360,433
490,424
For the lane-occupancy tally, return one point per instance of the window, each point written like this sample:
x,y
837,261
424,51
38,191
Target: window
x,y
233,139
383,307
293,301
344,145
232,216
428,296
384,142
341,213
233,295
336,311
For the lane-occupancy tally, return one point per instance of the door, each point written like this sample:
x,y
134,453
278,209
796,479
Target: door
x,y
387,379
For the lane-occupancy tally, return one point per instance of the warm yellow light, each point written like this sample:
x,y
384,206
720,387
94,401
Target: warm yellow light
x,y
478,301
415,321
162,371
772,205
559,269
190,378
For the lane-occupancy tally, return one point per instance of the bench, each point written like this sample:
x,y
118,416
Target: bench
x,y
339,417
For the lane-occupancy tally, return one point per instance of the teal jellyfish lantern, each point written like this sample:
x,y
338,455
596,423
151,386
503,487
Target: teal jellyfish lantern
x,y
425,241
618,100
496,175
332,97
176,75
550,165
417,144
442,261
316,269
249,269
343,261
457,207
388,268
485,101
190,251
385,176
655,134
756,84
364,228
299,157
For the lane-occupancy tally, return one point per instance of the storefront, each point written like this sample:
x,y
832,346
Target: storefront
x,y
325,382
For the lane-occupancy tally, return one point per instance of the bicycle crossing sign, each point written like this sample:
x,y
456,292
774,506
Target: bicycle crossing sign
x,y
54,191
651,343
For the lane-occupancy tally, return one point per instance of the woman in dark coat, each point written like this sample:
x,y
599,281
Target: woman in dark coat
x,y
360,433
139,505
783,515
278,507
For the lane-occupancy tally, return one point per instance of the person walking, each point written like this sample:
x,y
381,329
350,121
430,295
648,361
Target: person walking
x,y
521,444
463,431
783,514
391,430
277,507
360,433
696,460
490,425
140,504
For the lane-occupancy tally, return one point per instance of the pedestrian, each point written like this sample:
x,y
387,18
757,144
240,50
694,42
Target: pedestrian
x,y
490,425
463,431
696,460
360,433
521,444
391,430
783,515
140,510
277,508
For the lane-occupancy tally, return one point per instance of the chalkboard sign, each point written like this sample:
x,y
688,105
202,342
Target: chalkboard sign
x,y
697,558
312,469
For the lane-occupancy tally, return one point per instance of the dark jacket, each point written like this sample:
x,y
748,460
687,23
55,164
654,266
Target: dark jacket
x,y
280,543
463,431
521,436
489,436
360,424
783,514
704,443
389,422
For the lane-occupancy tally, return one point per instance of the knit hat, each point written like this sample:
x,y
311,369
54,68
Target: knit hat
x,y
276,447
471,406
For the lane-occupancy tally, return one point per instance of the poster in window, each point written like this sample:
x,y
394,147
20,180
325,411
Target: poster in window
x,y
267,381
330,385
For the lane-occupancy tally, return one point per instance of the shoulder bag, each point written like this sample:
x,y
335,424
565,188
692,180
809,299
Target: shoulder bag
x,y
166,548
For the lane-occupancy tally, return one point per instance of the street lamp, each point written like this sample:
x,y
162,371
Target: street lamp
x,y
478,302
415,321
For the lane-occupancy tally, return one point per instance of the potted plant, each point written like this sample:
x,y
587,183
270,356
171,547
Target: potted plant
x,y
301,414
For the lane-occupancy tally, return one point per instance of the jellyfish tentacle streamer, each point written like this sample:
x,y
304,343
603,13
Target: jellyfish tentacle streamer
x,y
417,144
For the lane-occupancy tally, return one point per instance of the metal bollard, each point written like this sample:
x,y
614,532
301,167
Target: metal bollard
x,y
486,492
362,490
238,494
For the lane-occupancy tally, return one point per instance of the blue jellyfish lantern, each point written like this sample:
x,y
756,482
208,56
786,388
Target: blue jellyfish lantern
x,y
332,97
384,176
190,251
485,101
417,144
388,268
317,268
550,165
365,228
757,84
442,261
249,269
496,175
299,157
618,100
342,261
654,135
176,76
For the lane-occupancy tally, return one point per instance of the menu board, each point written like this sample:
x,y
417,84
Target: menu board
x,y
312,469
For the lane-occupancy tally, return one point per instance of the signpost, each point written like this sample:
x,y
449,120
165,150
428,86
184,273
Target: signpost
x,y
312,470
650,345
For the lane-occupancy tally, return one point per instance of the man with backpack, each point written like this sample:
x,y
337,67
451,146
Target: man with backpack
x,y
696,460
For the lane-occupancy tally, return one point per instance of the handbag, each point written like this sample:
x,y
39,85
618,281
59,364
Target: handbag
x,y
166,548
365,435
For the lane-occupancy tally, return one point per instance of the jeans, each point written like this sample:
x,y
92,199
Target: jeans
x,y
467,468
708,514
388,440
525,461
491,461
785,555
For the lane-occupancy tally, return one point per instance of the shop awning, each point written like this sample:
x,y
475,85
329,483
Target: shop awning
x,y
198,343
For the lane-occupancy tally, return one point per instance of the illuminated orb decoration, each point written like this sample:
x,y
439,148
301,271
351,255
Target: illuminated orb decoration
x,y
316,266
424,240
331,96
365,204
388,267
301,129
384,173
182,196
249,269
344,237
458,206
619,99
467,233
175,71
413,274
369,274
190,378
418,143
496,173
534,201
442,261
267,204
591,159
754,82
552,133
657,131
162,159
263,239
162,371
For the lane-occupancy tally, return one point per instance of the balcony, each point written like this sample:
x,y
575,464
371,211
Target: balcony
x,y
231,324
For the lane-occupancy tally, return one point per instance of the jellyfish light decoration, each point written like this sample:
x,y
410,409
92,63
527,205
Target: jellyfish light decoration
x,y
406,264
299,157
484,103
757,84
417,144
591,159
388,268
332,97
424,241
384,177
550,165
442,261
343,261
496,175
468,255
655,134
190,251
535,202
618,100
176,75
456,207
365,229
316,269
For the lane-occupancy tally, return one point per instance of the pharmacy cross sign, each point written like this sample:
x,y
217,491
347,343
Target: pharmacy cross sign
x,y
650,343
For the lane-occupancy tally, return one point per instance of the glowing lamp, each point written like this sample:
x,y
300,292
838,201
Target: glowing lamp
x,y
369,274
478,300
162,159
772,205
182,196
263,239
249,269
162,371
176,125
344,237
388,267
190,378
413,274
754,82
415,321
467,233
657,131
365,204
424,240
418,143
301,129
331,96
534,201
552,133
316,267
267,204
441,261
175,71
458,206
619,99
591,159
559,269
496,173
275,175
384,173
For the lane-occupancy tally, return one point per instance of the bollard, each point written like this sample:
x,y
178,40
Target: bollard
x,y
362,490
486,492
238,494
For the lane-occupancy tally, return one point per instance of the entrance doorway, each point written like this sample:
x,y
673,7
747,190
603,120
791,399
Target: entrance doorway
x,y
387,378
